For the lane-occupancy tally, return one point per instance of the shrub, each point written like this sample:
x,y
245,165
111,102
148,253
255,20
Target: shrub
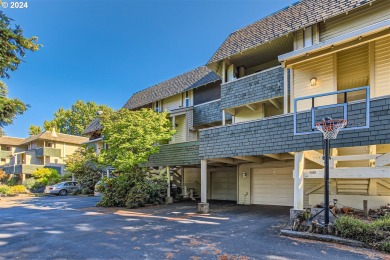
x,y
132,190
385,246
17,189
354,228
30,183
86,191
3,176
4,189
46,176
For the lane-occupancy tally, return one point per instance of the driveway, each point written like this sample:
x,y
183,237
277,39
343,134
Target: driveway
x,y
73,228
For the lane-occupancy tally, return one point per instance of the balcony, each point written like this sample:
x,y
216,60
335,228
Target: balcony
x,y
209,113
5,154
47,151
22,168
267,84
276,134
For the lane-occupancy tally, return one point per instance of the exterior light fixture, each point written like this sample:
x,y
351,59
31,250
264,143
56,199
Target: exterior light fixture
x,y
313,81
244,174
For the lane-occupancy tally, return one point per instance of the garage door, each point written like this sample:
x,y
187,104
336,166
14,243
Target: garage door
x,y
224,186
272,187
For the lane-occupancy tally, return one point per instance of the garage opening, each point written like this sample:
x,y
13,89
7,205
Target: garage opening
x,y
272,186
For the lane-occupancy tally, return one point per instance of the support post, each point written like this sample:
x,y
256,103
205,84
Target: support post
x,y
203,207
327,184
285,94
169,199
73,179
223,117
299,163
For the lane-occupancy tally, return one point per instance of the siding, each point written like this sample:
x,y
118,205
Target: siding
x,y
253,88
275,135
245,114
172,102
180,154
322,69
382,67
353,68
180,135
368,15
383,191
208,113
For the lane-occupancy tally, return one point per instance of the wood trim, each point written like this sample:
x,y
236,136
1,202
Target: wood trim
x,y
350,173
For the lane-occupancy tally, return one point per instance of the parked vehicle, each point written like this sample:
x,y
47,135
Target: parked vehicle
x,y
62,188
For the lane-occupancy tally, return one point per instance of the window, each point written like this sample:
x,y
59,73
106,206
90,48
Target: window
x,y
49,145
308,36
187,100
156,106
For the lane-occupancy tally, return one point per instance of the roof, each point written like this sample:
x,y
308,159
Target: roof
x,y
211,77
171,87
58,137
290,19
8,140
93,126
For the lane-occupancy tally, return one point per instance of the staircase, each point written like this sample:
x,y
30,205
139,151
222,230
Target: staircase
x,y
352,186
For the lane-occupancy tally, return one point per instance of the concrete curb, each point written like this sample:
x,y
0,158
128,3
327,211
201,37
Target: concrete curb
x,y
319,237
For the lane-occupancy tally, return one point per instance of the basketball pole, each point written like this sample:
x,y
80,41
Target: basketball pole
x,y
326,177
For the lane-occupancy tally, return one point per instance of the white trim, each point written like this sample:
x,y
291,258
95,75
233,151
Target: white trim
x,y
207,102
247,76
342,38
93,141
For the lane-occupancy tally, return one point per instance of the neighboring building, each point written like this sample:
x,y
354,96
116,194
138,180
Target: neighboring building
x,y
45,150
94,134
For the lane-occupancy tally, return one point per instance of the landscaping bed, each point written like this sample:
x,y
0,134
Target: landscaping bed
x,y
372,229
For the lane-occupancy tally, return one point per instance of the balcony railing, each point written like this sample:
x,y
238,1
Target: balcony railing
x,y
5,154
21,168
253,88
48,151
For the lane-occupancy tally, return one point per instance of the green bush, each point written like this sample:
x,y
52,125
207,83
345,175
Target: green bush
x,y
4,189
46,176
29,183
132,190
17,189
86,191
374,233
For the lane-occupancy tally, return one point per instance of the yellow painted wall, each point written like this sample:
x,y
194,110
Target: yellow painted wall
x,y
322,69
244,114
362,17
180,135
382,67
171,103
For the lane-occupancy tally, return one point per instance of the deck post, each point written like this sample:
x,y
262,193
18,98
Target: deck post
x,y
203,206
169,199
298,180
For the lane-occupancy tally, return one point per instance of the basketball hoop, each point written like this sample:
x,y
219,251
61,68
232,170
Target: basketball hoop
x,y
331,127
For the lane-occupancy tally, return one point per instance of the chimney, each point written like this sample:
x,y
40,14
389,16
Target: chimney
x,y
53,132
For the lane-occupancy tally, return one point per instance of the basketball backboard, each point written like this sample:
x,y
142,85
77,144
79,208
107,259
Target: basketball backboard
x,y
352,105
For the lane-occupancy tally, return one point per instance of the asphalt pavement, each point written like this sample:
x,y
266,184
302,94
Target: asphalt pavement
x,y
73,228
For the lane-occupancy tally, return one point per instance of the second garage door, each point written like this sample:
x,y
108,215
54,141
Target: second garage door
x,y
272,187
224,186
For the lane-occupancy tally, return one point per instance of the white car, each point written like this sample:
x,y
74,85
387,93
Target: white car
x,y
62,188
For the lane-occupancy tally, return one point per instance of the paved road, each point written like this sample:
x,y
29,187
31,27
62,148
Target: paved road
x,y
72,228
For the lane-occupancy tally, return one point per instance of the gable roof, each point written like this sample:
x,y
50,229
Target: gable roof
x,y
93,126
58,137
8,140
292,18
171,87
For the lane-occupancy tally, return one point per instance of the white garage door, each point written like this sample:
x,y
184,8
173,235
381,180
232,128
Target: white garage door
x,y
272,187
224,186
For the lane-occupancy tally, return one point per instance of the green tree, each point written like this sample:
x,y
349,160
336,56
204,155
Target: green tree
x,y
34,130
132,136
75,119
83,164
13,47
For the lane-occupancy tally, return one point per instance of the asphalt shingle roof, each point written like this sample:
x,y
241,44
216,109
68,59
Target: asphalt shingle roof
x,y
72,139
8,140
176,85
93,126
285,21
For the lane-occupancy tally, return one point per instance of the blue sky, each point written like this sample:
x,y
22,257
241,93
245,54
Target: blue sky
x,y
104,51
